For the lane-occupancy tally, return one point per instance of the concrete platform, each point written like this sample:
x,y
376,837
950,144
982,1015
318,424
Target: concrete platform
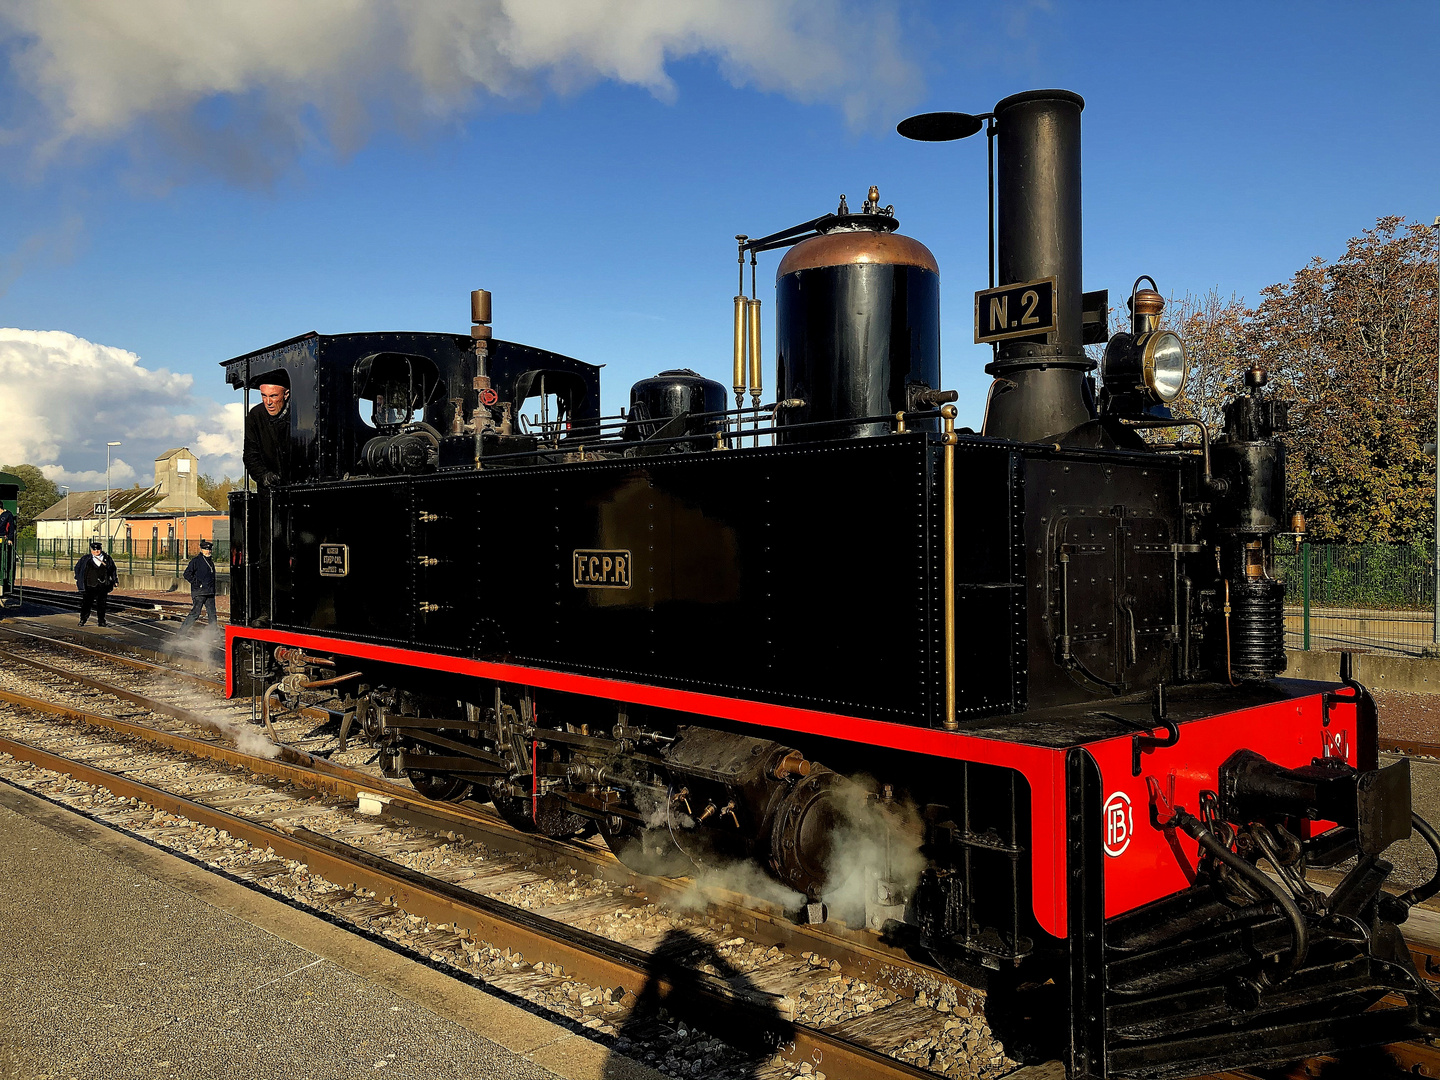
x,y
121,960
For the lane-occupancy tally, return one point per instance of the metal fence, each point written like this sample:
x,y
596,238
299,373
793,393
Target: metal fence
x,y
131,556
1376,598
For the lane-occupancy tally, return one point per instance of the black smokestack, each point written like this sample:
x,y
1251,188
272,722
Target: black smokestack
x,y
1039,390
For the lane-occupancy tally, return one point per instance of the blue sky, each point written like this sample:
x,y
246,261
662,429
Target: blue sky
x,y
1224,145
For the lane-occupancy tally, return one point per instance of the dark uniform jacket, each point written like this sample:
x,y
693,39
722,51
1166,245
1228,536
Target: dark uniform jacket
x,y
267,445
7,525
201,575
90,576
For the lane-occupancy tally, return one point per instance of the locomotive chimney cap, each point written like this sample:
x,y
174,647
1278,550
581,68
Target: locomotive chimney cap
x,y
1038,95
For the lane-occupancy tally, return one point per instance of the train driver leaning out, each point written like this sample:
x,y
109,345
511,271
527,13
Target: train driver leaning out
x,y
267,433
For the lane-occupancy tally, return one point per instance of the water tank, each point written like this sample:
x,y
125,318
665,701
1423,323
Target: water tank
x,y
668,406
857,323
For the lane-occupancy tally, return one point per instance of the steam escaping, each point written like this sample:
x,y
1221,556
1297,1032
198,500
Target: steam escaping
x,y
709,883
874,856
244,89
248,739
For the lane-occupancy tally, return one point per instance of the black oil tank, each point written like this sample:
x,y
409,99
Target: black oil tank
x,y
669,405
857,325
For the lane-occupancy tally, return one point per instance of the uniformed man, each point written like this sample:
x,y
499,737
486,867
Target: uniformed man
x,y
201,576
267,433
95,576
7,526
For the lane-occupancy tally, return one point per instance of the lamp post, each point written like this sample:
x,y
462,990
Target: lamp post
x,y
68,549
108,445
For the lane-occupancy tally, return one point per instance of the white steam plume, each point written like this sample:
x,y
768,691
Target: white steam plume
x,y
242,89
248,738
871,843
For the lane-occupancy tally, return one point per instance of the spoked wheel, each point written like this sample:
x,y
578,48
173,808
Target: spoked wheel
x,y
441,787
646,851
549,815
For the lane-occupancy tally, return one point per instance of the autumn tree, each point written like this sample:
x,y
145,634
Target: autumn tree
x,y
1352,344
216,492
1216,332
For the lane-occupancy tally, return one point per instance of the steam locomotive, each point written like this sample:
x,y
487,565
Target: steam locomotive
x,y
1011,698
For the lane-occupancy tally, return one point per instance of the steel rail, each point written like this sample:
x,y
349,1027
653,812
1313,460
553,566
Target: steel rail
x,y
1409,748
66,636
121,602
588,957
116,658
175,712
293,765
858,952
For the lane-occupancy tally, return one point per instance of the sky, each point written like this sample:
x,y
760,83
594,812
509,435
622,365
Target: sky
x,y
185,181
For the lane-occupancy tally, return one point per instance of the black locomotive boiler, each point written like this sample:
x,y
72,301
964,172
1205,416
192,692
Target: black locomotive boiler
x,y
1012,698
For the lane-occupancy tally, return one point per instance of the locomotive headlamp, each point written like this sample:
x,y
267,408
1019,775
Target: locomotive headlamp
x,y
1147,366
1163,364
1142,370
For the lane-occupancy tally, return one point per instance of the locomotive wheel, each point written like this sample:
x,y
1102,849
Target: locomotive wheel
x,y
553,818
442,787
438,786
646,851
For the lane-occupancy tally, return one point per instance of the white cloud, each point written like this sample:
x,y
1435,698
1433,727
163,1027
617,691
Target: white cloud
x,y
242,88
62,398
122,474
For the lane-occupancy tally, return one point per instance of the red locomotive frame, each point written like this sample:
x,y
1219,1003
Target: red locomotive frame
x,y
1153,862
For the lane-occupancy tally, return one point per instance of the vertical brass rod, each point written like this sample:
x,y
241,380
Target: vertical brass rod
x,y
742,322
756,361
947,499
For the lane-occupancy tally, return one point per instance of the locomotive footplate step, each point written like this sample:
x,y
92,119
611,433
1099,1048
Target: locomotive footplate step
x,y
157,967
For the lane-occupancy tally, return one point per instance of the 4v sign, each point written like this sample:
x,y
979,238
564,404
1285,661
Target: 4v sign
x,y
1023,309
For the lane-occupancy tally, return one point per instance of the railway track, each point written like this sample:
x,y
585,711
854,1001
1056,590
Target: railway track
x,y
876,1001
69,599
141,615
911,995
1410,748
347,775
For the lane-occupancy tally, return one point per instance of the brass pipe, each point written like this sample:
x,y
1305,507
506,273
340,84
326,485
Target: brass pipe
x,y
947,499
753,350
742,322
1229,672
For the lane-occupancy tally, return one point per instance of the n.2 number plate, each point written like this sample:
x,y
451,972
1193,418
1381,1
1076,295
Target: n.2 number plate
x,y
1021,310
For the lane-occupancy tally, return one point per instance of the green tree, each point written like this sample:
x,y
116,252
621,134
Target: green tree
x,y
39,495
1352,345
